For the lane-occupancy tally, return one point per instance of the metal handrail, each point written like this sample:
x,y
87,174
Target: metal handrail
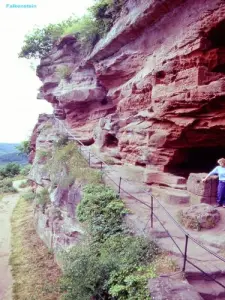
x,y
187,235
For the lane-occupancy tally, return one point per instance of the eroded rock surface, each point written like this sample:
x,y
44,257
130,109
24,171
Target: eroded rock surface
x,y
153,89
200,216
202,192
55,214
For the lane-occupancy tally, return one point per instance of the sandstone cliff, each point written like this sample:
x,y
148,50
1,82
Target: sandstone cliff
x,y
151,93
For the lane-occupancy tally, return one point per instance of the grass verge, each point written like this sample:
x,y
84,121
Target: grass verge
x,y
34,271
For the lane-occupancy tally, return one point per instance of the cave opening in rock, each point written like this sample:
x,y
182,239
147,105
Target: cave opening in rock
x,y
216,35
195,160
111,141
219,69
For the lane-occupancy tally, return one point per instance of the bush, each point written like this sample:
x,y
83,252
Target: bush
x,y
43,197
84,275
10,170
62,141
68,165
6,186
103,211
105,13
39,42
43,155
28,196
24,147
130,258
114,268
25,170
88,29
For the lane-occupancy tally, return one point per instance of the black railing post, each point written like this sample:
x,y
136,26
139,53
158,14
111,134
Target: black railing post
x,y
119,185
152,211
185,252
101,171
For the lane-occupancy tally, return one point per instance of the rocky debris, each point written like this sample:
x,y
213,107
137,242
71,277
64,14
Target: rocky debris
x,y
200,216
202,192
165,288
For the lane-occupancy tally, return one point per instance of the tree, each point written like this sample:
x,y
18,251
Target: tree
x,y
10,170
24,147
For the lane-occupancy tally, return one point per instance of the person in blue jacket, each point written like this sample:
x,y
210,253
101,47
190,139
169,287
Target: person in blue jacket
x,y
220,171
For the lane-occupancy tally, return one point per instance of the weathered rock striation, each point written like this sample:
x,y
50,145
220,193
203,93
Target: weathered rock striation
x,y
153,89
54,215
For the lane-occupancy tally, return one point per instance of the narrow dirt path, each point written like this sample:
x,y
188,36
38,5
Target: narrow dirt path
x,y
7,205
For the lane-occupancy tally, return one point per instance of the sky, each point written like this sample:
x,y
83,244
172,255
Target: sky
x,y
19,108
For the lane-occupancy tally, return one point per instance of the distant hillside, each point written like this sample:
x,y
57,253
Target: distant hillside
x,y
9,153
7,148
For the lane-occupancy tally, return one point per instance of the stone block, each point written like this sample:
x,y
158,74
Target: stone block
x,y
154,176
199,188
170,195
199,216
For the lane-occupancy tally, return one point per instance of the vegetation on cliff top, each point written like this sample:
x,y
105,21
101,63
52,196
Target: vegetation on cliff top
x,y
87,29
68,165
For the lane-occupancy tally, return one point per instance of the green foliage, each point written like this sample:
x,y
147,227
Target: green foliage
x,y
103,211
87,29
68,165
118,268
64,72
42,197
84,274
24,147
39,42
28,196
105,13
62,141
43,155
6,186
25,170
10,170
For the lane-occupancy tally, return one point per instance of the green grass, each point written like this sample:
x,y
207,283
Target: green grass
x,y
35,274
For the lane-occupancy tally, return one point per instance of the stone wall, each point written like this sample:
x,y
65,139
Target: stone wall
x,y
202,192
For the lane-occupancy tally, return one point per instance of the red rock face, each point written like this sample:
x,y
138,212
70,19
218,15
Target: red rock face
x,y
43,118
156,82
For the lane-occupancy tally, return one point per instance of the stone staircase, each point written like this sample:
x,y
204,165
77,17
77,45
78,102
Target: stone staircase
x,y
206,287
